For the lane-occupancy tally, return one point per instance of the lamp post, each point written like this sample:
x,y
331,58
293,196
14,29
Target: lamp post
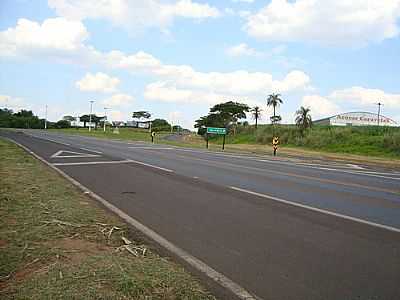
x,y
379,111
105,118
45,118
90,116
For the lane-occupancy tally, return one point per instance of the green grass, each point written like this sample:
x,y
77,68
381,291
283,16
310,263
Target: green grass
x,y
368,141
55,243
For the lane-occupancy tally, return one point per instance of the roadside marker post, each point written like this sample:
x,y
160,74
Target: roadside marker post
x,y
275,143
153,134
216,130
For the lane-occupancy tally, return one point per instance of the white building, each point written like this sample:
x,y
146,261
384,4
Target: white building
x,y
357,119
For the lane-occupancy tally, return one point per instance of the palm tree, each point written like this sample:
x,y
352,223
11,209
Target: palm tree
x,y
256,112
303,118
274,100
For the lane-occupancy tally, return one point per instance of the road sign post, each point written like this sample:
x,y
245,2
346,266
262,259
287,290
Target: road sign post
x,y
216,130
275,143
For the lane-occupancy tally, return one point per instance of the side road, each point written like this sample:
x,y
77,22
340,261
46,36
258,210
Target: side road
x,y
56,243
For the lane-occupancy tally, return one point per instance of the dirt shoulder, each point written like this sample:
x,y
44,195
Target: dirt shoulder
x,y
56,243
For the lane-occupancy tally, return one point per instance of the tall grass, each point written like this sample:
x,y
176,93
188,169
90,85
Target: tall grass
x,y
376,141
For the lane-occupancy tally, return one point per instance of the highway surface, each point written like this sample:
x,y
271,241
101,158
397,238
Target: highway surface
x,y
280,228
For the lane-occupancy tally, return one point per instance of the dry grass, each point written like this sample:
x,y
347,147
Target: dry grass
x,y
55,243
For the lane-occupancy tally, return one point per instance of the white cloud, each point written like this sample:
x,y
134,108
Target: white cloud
x,y
320,106
99,82
56,35
237,83
366,97
242,50
13,103
133,14
162,91
244,13
354,98
118,100
243,1
333,22
182,81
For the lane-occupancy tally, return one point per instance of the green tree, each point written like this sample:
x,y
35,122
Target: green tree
x,y
274,100
230,112
256,113
160,125
86,119
63,124
303,118
6,116
211,120
141,115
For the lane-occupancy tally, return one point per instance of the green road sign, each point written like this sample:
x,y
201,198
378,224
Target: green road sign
x,y
216,130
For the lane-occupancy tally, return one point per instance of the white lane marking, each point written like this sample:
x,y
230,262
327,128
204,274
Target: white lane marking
x,y
215,164
90,150
196,263
323,211
356,166
83,163
298,164
254,158
50,140
58,154
151,148
151,166
361,173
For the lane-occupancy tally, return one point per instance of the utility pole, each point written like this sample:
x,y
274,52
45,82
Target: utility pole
x,y
105,117
45,118
90,116
379,111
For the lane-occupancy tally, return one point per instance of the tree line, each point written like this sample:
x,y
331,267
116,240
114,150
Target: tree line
x,y
228,114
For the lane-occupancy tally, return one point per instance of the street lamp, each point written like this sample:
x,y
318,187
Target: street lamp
x,y
90,116
45,118
105,117
379,111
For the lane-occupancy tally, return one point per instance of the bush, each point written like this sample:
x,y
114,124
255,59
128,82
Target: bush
x,y
392,142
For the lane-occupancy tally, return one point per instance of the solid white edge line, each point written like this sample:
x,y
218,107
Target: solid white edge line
x,y
151,148
93,163
194,262
323,211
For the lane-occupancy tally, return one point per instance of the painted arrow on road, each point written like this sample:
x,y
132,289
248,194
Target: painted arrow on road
x,y
71,154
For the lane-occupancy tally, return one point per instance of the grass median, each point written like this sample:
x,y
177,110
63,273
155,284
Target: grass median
x,y
56,243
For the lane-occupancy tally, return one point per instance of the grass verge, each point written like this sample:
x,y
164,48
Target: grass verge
x,y
56,243
248,141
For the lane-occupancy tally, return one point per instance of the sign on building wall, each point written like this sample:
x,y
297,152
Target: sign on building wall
x,y
361,119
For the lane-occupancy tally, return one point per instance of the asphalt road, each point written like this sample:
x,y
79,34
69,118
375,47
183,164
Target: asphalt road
x,y
281,228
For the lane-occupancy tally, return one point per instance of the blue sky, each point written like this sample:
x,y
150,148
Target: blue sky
x,y
178,58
